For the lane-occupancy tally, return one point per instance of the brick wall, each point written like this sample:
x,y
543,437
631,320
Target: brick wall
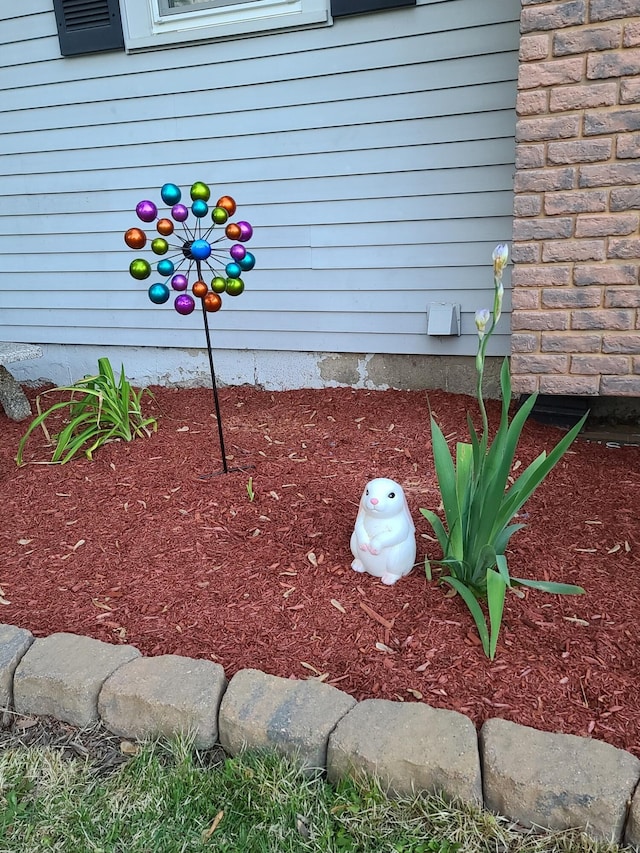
x,y
576,245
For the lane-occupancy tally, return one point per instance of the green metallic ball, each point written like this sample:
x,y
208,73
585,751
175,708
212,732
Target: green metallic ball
x,y
140,269
235,286
200,191
218,284
159,246
219,215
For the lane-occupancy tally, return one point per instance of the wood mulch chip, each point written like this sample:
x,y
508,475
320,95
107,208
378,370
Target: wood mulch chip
x,y
148,545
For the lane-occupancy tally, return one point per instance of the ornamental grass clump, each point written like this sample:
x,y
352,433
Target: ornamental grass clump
x,y
479,504
99,409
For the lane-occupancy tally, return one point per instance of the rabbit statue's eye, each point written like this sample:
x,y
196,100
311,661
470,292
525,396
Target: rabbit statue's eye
x,y
391,495
366,491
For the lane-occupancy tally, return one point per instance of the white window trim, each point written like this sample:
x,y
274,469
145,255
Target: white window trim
x,y
145,28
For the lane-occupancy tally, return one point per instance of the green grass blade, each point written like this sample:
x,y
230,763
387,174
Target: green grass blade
x,y
438,528
550,586
475,610
445,472
496,589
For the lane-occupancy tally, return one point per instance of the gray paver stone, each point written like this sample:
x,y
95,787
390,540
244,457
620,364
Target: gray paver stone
x,y
14,642
295,718
61,676
632,830
557,781
164,695
411,747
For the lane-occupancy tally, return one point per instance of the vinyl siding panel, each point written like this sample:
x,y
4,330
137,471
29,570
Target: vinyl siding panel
x,y
374,159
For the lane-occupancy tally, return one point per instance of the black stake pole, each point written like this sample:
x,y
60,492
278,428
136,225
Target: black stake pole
x,y
213,380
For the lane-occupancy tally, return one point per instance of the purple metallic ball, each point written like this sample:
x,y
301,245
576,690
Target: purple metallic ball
x,y
237,252
179,282
146,211
246,231
179,212
184,304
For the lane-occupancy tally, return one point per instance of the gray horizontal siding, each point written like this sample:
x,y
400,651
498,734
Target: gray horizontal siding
x,y
376,169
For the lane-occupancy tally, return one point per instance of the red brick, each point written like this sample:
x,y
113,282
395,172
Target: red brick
x,y
535,363
555,72
635,361
588,225
586,39
576,386
620,386
607,273
630,91
538,321
607,10
530,156
629,343
527,205
524,343
631,37
621,63
622,297
569,342
608,319
523,384
532,102
577,201
544,180
547,275
583,97
624,247
524,299
628,146
616,121
525,253
553,16
615,174
580,151
534,47
573,250
624,198
585,297
551,228
600,364
549,127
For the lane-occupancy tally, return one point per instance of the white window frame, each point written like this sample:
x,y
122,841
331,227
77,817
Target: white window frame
x,y
145,28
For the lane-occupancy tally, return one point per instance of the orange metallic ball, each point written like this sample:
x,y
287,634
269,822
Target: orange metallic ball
x,y
233,231
199,289
228,203
212,302
135,238
165,227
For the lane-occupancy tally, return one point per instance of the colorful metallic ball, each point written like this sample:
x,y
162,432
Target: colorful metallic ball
x,y
165,267
219,215
146,210
200,250
199,208
237,251
248,262
233,231
218,284
135,238
199,289
246,231
184,304
179,282
159,246
159,293
200,191
233,270
170,194
180,212
165,227
234,286
227,203
140,269
212,302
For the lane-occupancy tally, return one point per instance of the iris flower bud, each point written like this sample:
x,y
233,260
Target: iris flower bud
x,y
483,315
500,257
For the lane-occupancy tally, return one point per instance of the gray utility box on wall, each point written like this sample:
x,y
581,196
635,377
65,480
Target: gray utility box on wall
x,y
443,318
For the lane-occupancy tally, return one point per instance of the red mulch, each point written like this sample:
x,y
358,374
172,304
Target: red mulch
x,y
138,547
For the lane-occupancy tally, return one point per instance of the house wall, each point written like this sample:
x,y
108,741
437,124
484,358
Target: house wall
x,y
576,297
373,157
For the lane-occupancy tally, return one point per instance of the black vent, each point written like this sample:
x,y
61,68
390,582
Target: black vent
x,y
559,410
88,26
340,8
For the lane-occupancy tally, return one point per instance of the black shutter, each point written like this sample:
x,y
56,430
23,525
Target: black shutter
x,y
88,26
339,8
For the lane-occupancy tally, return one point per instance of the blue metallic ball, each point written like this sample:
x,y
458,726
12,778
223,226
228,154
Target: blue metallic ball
x,y
171,194
200,250
159,293
233,270
199,208
248,262
165,267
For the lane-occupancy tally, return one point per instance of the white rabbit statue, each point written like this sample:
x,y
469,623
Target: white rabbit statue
x,y
383,541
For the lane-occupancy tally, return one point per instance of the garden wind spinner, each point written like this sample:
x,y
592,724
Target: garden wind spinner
x,y
183,248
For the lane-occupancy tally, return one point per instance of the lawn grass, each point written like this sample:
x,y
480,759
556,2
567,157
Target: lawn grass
x,y
170,798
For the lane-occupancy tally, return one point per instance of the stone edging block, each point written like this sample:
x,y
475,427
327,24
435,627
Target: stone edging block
x,y
61,676
557,781
14,642
164,695
261,711
410,746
